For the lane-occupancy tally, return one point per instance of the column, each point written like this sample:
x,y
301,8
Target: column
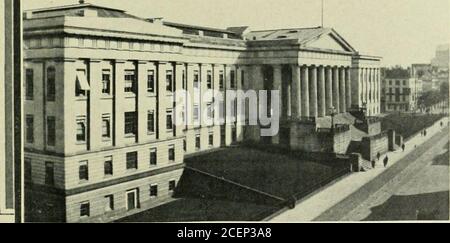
x,y
321,92
119,97
336,89
348,85
95,111
342,95
305,91
179,103
277,85
258,84
328,89
296,92
313,92
367,83
140,103
162,101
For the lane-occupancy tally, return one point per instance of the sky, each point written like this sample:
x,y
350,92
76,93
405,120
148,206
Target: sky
x,y
401,31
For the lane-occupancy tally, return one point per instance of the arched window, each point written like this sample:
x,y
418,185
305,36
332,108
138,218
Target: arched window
x,y
51,89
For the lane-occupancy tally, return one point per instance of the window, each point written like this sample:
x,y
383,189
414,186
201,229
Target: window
x,y
172,153
169,81
83,171
81,84
210,111
209,80
397,82
108,166
196,113
404,82
30,128
132,162
197,142
51,76
211,139
169,120
242,78
221,80
51,132
151,122
132,199
108,44
81,130
109,203
153,190
390,82
151,81
130,80
233,79
130,123
153,157
84,209
172,185
106,126
29,84
196,79
49,174
106,82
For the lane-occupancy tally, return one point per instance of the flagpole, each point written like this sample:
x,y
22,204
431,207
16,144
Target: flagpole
x,y
322,15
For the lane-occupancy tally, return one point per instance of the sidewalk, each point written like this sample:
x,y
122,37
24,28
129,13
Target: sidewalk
x,y
313,207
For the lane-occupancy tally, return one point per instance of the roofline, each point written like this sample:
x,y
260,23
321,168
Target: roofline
x,y
303,28
72,6
173,24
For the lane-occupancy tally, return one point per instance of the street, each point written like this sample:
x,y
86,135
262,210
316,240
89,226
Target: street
x,y
421,191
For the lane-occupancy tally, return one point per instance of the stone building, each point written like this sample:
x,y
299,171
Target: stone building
x,y
99,101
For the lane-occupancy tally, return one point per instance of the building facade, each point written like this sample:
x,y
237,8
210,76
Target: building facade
x,y
99,83
401,94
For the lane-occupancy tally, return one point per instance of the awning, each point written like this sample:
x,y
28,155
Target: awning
x,y
82,81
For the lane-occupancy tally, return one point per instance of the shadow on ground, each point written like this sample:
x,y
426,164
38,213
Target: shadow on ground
x,y
442,159
427,206
199,210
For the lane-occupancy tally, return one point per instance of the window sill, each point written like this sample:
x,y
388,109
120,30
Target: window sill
x,y
130,95
132,170
106,140
107,97
84,98
151,133
130,136
152,95
107,176
81,143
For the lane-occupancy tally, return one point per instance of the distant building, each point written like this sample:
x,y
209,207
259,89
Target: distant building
x,y
441,60
401,94
99,102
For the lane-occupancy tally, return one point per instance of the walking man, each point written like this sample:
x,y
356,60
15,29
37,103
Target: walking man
x,y
385,161
378,156
403,147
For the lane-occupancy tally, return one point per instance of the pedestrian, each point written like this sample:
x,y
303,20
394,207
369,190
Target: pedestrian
x,y
425,133
385,161
403,147
373,164
378,156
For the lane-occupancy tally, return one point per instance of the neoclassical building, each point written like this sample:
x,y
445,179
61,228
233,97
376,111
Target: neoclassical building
x,y
99,101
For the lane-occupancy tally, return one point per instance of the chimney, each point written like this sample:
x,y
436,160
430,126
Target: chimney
x,y
81,1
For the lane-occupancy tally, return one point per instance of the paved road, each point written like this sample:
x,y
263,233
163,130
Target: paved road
x,y
336,201
416,188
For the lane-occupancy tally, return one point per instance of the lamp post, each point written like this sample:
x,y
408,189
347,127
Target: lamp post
x,y
333,113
